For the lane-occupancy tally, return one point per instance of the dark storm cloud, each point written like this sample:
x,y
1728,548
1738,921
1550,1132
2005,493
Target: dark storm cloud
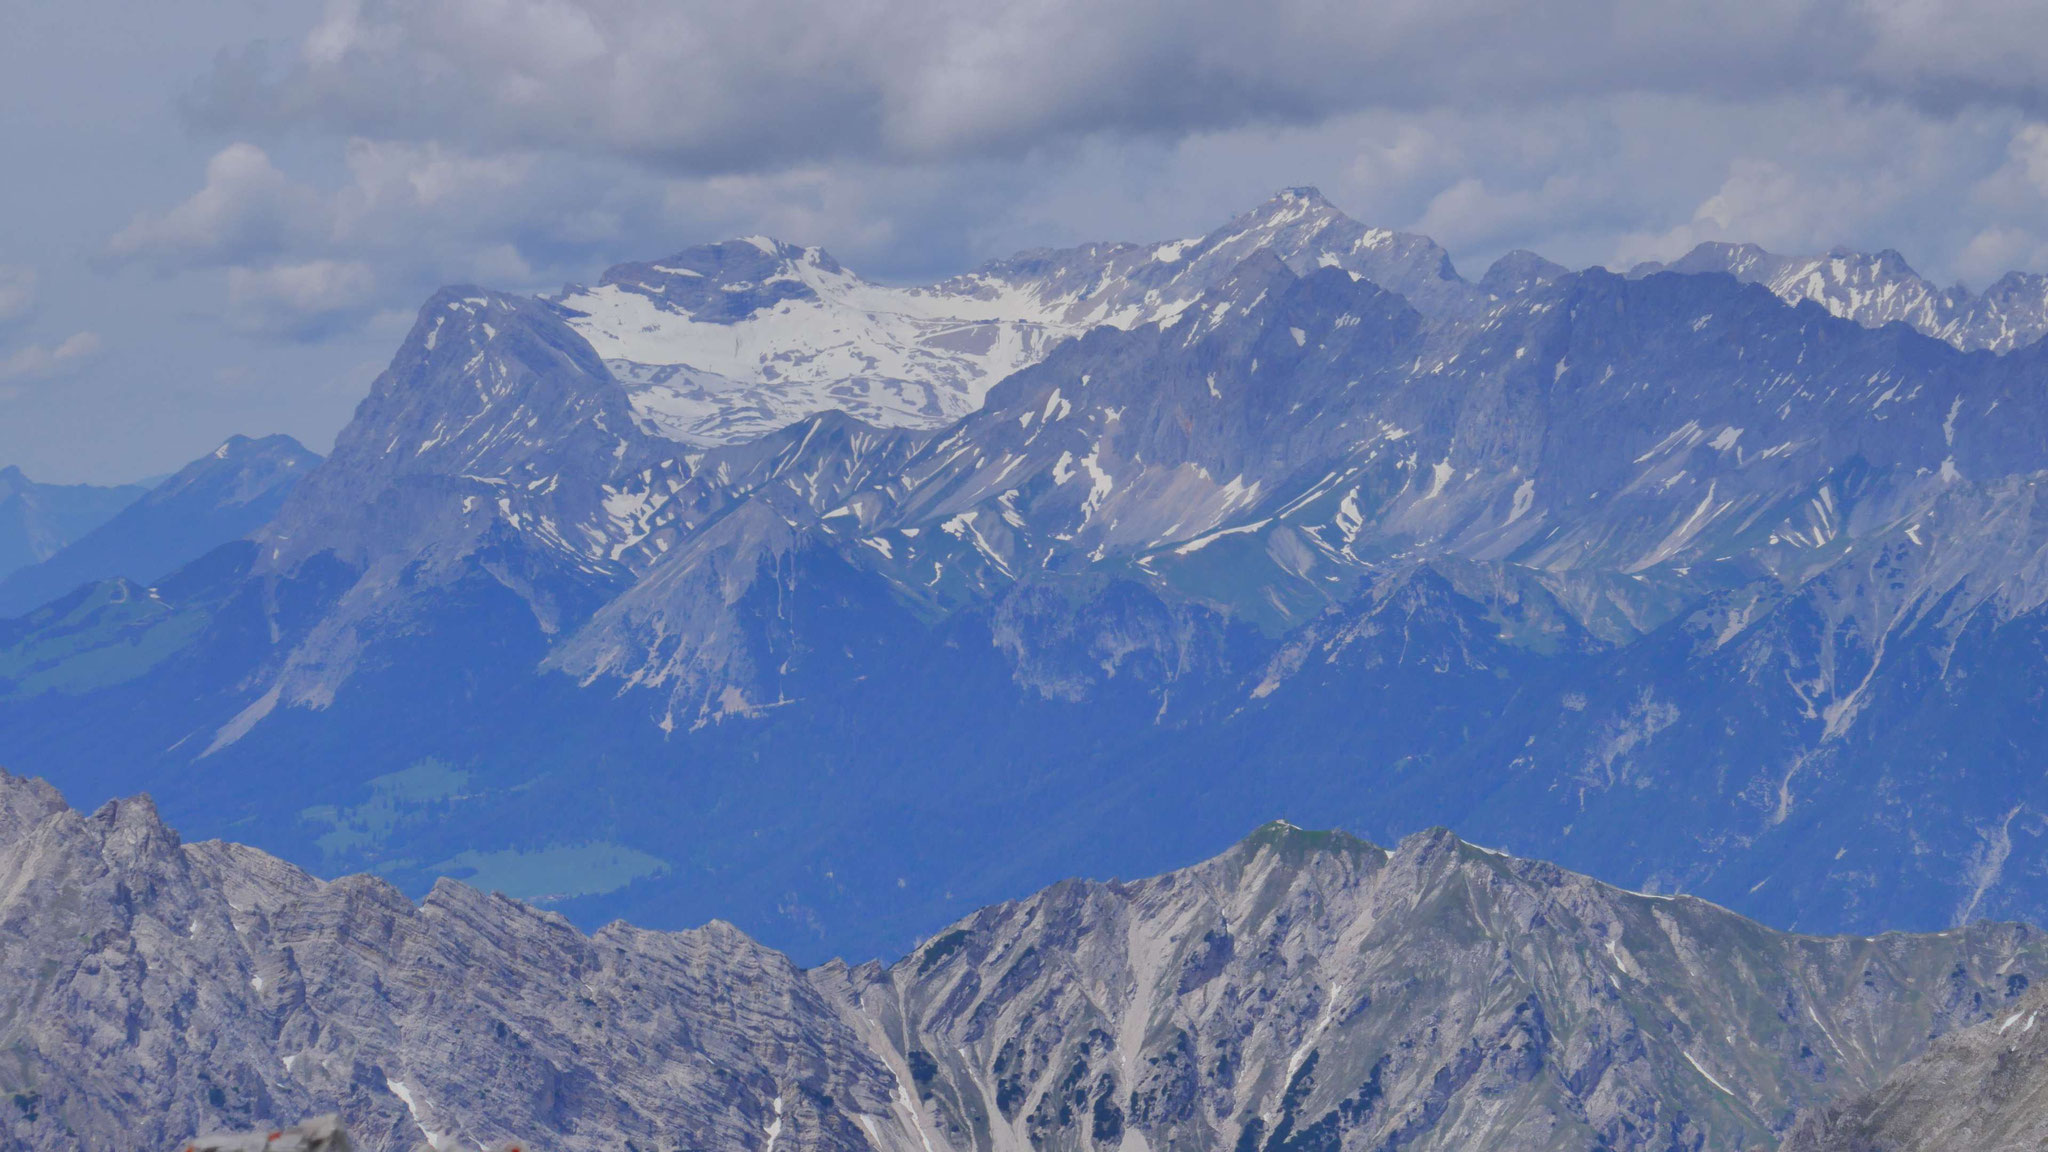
x,y
714,86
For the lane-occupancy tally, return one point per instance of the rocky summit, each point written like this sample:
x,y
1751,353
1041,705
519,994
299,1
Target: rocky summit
x,y
1304,990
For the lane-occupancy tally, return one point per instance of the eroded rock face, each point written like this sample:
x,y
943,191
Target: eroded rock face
x,y
1984,1088
1312,991
156,989
1301,991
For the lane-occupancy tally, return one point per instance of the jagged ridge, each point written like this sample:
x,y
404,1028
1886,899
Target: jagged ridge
x,y
1303,990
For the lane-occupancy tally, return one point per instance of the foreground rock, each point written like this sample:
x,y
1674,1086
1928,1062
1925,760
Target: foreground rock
x,y
322,1135
1302,991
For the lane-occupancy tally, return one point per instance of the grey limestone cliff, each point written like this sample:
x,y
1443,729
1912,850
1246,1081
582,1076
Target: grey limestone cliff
x,y
1301,991
1984,1089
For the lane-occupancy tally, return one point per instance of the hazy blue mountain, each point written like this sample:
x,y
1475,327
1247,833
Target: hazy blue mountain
x,y
1519,271
1659,576
1301,990
225,495
38,520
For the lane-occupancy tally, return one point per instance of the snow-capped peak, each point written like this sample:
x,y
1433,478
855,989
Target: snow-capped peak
x,y
1880,288
725,342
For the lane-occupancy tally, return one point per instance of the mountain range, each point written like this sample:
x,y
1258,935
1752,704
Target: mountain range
x,y
1881,289
1303,990
739,586
223,496
37,520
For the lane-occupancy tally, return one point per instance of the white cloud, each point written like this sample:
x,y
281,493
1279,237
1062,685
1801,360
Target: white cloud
x,y
304,299
1998,249
17,291
37,362
387,176
304,263
246,209
1823,172
523,143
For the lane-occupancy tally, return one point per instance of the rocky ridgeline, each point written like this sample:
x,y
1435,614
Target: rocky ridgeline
x,y
1302,992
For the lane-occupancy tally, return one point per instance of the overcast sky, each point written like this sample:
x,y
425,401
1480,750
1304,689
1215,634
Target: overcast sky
x,y
219,216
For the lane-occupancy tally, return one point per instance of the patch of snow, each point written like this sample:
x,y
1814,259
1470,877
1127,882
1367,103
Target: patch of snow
x,y
1709,1075
1440,475
1525,499
1100,486
439,1141
1203,541
1349,518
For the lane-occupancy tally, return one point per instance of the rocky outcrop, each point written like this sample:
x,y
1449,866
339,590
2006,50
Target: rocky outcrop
x,y
1984,1089
1301,991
